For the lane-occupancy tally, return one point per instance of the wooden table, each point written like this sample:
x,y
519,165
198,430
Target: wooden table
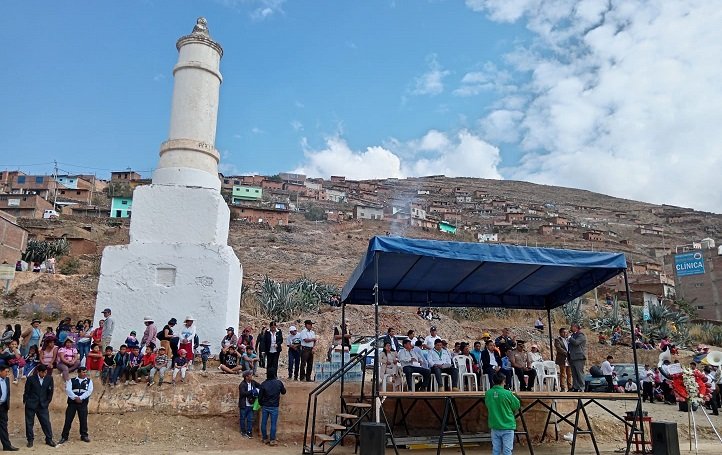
x,y
546,400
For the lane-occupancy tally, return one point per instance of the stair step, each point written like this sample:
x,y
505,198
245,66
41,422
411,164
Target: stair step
x,y
358,405
325,438
335,426
345,415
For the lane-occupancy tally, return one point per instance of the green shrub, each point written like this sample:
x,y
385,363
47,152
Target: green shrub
x,y
70,267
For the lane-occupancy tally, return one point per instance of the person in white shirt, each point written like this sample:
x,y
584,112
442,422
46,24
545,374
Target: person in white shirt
x,y
430,340
535,355
78,391
294,352
308,342
648,384
420,350
440,362
630,386
411,363
712,385
411,335
272,343
608,372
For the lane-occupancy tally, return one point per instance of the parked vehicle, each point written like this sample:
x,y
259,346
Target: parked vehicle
x,y
624,371
368,342
50,214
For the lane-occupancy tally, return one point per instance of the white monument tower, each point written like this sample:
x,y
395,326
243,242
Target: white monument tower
x,y
178,262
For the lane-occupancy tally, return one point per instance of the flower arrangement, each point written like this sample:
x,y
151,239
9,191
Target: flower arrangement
x,y
691,386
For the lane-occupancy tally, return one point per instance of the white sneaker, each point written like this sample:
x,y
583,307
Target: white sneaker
x,y
569,436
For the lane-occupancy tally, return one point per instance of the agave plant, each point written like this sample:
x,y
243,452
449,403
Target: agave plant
x,y
40,250
283,301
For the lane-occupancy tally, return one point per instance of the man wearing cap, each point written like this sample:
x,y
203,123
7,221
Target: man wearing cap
x,y
150,334
108,327
229,340
37,397
308,342
294,352
505,342
411,362
272,344
430,340
187,335
78,390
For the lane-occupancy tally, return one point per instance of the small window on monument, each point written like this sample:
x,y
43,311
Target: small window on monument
x,y
165,276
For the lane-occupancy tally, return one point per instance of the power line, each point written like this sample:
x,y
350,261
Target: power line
x,y
26,165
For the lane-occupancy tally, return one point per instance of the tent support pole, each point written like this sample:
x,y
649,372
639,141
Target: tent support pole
x,y
638,412
375,384
343,353
551,338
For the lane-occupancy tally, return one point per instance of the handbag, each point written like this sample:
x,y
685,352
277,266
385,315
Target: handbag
x,y
256,405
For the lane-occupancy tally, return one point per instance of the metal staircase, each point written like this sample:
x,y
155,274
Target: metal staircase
x,y
353,410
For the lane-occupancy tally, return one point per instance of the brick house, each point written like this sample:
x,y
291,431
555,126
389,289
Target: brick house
x,y
24,205
272,217
13,239
271,185
593,236
368,212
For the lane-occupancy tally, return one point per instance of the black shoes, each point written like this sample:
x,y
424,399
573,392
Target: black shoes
x,y
63,440
30,444
11,449
50,442
85,439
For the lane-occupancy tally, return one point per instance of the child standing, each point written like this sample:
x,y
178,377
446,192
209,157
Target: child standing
x,y
160,365
205,353
132,341
108,365
95,360
181,365
31,360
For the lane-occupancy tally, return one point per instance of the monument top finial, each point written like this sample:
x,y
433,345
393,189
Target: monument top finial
x,y
201,27
200,35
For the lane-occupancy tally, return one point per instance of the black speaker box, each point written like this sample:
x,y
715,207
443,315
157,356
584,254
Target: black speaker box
x,y
665,440
372,439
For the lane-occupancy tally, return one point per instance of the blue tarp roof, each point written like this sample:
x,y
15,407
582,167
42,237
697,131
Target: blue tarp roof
x,y
415,272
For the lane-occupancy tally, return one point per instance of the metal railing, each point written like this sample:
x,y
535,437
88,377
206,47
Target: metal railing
x,y
313,395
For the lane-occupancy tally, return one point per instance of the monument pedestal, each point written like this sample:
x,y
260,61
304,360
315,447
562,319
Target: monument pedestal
x,y
177,264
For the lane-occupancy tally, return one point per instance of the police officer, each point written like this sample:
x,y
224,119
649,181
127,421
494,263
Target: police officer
x,y
78,390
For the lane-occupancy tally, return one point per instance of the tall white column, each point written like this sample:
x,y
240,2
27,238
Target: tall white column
x,y
178,262
189,156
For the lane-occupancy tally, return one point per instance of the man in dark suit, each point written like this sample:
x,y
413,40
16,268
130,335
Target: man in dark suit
x,y
392,340
272,344
4,407
577,357
491,364
37,397
561,358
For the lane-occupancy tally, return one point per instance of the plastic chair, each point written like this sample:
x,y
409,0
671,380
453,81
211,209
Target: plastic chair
x,y
384,383
551,372
413,380
485,382
445,378
464,365
539,368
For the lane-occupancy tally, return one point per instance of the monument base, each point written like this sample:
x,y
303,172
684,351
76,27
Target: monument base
x,y
166,281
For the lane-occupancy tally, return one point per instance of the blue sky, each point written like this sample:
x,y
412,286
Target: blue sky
x,y
555,92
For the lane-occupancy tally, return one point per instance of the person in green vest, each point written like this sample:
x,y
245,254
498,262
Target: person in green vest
x,y
501,405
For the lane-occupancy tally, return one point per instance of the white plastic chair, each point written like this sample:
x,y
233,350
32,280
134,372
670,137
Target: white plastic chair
x,y
539,382
485,382
413,380
384,383
464,365
551,372
445,378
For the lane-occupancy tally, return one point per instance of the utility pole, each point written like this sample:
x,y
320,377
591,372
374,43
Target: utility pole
x,y
55,181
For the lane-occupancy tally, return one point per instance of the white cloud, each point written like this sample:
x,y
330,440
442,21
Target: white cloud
x,y
488,78
338,159
621,97
258,10
159,77
463,154
257,130
296,125
432,81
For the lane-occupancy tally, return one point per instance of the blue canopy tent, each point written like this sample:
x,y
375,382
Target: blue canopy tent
x,y
397,271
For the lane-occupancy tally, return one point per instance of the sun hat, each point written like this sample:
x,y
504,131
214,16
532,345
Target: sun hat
x,y
292,328
148,319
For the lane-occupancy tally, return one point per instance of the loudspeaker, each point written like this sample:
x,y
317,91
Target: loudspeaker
x,y
664,438
372,438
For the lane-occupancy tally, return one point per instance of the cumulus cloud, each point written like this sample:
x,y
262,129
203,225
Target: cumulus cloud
x,y
432,81
488,78
620,97
436,152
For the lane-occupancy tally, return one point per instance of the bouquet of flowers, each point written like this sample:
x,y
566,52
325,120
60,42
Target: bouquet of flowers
x,y
691,385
